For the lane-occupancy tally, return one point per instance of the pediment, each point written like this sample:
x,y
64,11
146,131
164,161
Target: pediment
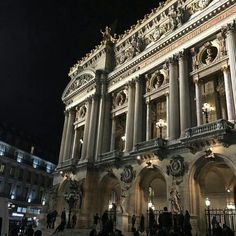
x,y
81,80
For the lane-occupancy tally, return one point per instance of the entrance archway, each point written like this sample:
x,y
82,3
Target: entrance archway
x,y
211,179
150,191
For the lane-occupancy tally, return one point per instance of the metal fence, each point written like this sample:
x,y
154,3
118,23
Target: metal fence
x,y
223,216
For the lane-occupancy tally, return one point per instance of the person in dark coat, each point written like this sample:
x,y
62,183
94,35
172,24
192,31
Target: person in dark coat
x,y
38,233
60,227
29,231
165,220
151,219
187,224
217,231
133,220
181,222
142,223
63,215
226,231
105,219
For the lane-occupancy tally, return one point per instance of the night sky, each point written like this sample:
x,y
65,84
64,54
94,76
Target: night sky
x,y
39,42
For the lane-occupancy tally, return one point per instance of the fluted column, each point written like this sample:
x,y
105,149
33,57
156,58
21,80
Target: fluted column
x,y
148,121
61,155
113,133
101,120
228,94
174,99
184,93
198,94
138,111
92,128
129,118
69,133
167,115
76,144
231,50
86,129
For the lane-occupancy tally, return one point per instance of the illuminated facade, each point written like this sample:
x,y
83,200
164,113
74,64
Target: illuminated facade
x,y
149,117
24,183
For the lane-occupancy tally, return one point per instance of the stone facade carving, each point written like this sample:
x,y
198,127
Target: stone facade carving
x,y
81,112
176,167
106,35
80,81
119,98
128,174
198,5
175,200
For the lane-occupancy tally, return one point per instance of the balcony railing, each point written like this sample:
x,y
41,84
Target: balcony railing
x,y
150,145
218,127
110,155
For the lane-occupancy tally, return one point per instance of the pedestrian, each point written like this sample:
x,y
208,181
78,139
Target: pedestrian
x,y
214,223
187,224
142,219
48,220
217,231
151,219
165,220
181,222
63,215
226,231
105,219
74,220
60,227
133,220
38,233
29,231
53,218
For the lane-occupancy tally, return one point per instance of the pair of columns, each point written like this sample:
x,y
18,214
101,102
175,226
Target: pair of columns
x,y
133,128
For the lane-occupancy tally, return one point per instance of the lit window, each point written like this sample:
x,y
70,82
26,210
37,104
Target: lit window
x,y
2,150
48,168
20,156
2,168
35,163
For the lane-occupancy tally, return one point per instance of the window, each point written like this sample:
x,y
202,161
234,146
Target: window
x,y
20,157
2,168
2,149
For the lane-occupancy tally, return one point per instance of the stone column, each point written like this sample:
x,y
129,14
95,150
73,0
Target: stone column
x,y
76,144
198,94
129,118
138,111
61,155
228,94
148,120
113,133
231,50
86,129
92,128
184,93
167,115
69,133
174,99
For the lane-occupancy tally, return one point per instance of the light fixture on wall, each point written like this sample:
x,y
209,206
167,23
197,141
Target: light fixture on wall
x,y
207,202
81,141
206,108
209,153
123,138
231,206
161,124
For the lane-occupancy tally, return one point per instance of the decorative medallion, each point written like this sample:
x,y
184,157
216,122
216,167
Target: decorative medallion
x,y
176,167
128,174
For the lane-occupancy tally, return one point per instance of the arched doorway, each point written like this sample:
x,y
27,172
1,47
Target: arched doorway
x,y
150,191
212,182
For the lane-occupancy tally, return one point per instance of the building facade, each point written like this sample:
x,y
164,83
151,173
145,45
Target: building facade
x,y
149,118
24,183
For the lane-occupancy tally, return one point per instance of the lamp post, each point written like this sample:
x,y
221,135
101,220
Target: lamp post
x,y
206,108
208,203
71,198
161,124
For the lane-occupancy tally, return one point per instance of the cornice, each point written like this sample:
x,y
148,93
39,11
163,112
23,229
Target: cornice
x,y
189,26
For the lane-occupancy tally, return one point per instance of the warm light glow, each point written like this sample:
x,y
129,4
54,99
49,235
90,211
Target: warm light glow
x,y
150,204
81,141
161,124
231,206
228,190
138,158
207,202
29,200
123,138
43,202
61,172
207,107
109,206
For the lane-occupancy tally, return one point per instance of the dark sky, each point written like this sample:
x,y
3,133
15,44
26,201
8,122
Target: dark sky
x,y
39,41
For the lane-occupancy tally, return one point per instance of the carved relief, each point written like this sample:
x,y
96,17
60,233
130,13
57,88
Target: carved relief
x,y
128,174
176,167
198,5
155,80
81,112
120,98
175,200
80,81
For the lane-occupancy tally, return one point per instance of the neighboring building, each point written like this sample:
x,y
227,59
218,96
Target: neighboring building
x,y
149,118
24,183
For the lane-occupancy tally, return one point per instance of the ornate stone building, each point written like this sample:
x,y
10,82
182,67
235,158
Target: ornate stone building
x,y
149,117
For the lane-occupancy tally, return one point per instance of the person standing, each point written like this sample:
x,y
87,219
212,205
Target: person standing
x,y
63,216
187,224
74,220
133,220
142,223
165,221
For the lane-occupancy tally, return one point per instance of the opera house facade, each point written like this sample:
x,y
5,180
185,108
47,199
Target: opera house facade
x,y
150,120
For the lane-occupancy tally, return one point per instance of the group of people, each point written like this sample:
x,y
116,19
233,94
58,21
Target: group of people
x,y
217,230
166,224
28,231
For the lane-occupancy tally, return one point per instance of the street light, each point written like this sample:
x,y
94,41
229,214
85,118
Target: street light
x,y
206,108
161,124
208,203
71,198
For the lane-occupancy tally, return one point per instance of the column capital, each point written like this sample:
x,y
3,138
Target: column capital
x,y
225,68
182,55
138,79
131,83
167,93
172,60
66,112
196,80
229,28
